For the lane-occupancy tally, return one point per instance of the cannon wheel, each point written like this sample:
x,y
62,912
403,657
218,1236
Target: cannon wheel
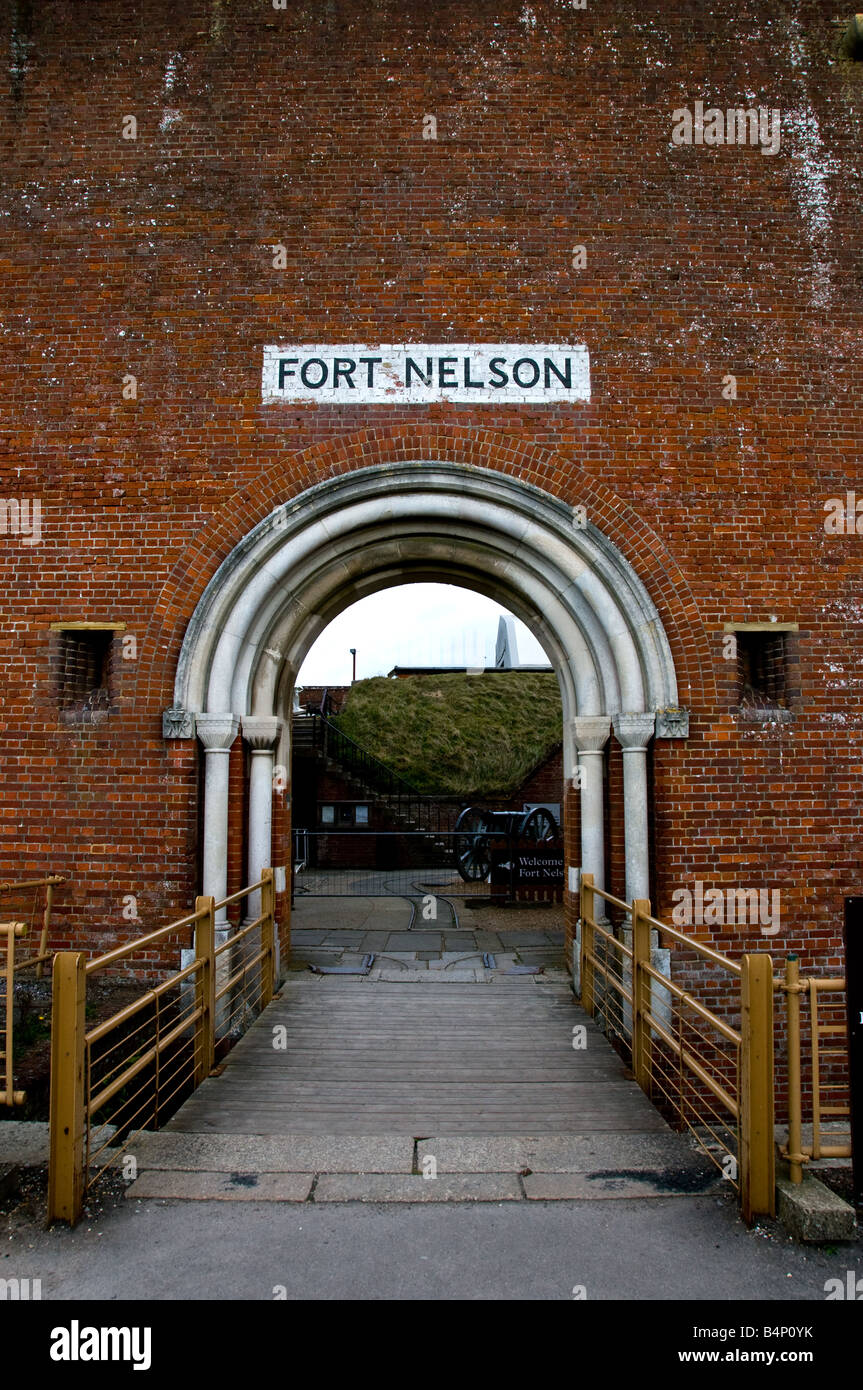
x,y
538,826
472,856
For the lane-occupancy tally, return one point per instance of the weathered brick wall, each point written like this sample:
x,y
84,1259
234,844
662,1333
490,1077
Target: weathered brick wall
x,y
258,127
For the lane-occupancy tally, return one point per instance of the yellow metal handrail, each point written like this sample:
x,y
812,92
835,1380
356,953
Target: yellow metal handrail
x,y
793,989
49,883
8,932
155,1047
717,1078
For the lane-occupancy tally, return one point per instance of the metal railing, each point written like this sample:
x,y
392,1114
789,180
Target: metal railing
x,y
49,883
416,809
131,1070
10,967
817,1073
419,863
8,933
716,1080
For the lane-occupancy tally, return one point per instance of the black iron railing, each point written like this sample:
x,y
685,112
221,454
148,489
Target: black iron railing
x,y
418,811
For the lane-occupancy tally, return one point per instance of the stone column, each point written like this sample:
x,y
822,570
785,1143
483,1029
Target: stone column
x,y
217,732
634,732
261,733
591,735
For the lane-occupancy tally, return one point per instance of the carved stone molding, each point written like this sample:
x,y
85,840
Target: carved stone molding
x,y
178,723
672,722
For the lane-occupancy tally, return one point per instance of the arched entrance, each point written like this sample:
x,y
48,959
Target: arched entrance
x,y
395,524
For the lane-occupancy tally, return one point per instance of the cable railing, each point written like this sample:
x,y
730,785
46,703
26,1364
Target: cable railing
x,y
714,1079
27,902
22,889
132,1070
9,933
816,1049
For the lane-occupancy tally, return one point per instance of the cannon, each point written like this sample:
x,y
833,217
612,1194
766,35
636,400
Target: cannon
x,y
476,828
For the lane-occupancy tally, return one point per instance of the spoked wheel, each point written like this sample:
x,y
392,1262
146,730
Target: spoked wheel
x,y
472,855
538,827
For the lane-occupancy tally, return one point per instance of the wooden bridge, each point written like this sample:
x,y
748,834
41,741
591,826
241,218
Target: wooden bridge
x,y
373,1087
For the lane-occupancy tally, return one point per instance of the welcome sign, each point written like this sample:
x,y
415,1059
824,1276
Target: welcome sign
x,y
416,373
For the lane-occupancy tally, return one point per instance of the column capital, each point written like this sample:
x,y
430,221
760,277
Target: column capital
x,y
634,731
591,732
261,731
217,731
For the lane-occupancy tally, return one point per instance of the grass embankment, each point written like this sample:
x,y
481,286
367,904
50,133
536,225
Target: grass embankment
x,y
457,735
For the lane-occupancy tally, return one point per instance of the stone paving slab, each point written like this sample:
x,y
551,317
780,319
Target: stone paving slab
x,y
225,1187
374,941
567,1187
418,976
24,1141
560,1153
315,955
414,941
258,1153
490,941
400,1187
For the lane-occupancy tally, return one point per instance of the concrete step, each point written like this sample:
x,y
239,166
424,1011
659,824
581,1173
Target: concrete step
x,y
393,1168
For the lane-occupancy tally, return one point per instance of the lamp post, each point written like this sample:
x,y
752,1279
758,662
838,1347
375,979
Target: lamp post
x,y
354,655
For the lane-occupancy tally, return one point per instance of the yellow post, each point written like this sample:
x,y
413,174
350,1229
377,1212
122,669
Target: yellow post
x,y
641,992
205,987
67,1114
46,922
756,1141
268,937
795,1099
586,910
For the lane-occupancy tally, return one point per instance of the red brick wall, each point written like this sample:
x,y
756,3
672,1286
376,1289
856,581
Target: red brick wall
x,y
303,127
312,695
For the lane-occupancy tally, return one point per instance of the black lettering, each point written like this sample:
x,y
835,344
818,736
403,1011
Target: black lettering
x,y
442,380
425,377
283,370
550,367
522,361
305,368
346,371
370,370
497,373
471,385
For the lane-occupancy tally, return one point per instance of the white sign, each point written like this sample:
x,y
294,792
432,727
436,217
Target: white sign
x,y
414,373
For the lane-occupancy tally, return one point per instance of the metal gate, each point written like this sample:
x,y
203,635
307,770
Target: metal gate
x,y
497,856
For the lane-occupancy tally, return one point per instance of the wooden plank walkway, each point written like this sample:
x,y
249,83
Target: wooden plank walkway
x,y
420,1059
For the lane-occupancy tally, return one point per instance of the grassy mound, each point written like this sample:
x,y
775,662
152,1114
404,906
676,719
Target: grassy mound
x,y
457,735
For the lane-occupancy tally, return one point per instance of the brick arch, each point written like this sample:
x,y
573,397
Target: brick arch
x,y
402,444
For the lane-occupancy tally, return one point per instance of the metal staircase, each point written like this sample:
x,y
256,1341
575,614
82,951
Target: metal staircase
x,y
314,735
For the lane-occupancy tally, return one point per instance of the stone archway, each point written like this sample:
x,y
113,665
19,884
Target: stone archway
x,y
403,522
